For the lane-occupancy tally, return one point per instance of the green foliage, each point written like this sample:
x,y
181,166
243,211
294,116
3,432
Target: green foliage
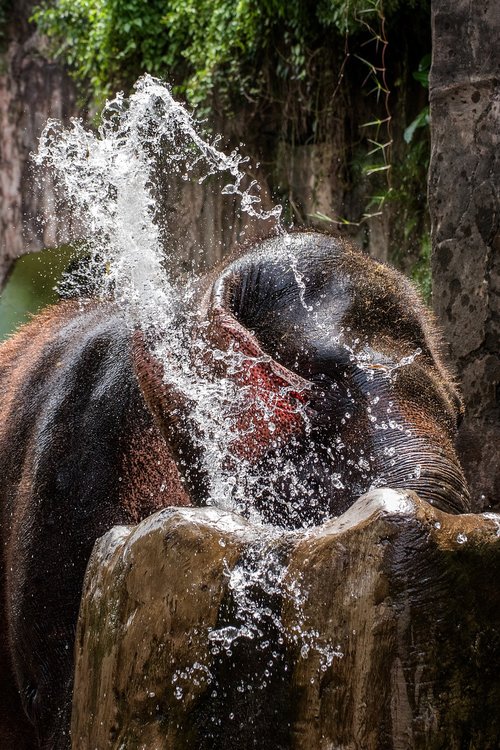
x,y
202,45
418,156
106,43
422,74
31,286
404,194
422,120
348,16
284,58
410,176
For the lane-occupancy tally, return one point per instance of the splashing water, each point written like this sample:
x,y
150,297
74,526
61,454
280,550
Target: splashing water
x,y
258,578
108,180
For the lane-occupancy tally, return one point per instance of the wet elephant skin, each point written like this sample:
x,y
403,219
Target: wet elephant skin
x,y
381,405
89,437
79,453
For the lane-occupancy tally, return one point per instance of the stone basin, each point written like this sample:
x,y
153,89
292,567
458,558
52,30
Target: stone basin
x,y
377,630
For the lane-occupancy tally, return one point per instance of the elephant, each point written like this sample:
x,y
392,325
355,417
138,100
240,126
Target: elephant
x,y
343,379
351,337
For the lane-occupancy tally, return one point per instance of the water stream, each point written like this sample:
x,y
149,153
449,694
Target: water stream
x,y
108,179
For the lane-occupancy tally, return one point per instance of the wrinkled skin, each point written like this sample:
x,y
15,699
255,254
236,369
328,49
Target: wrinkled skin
x,y
382,409
91,437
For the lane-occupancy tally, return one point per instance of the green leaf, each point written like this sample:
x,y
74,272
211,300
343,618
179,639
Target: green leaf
x,y
420,121
422,74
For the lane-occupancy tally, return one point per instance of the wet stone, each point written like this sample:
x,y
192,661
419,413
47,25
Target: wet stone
x,y
378,629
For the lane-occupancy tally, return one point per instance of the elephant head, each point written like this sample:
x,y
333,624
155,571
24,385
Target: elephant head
x,y
335,385
345,384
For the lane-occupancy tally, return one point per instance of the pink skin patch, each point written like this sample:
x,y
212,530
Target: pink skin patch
x,y
275,396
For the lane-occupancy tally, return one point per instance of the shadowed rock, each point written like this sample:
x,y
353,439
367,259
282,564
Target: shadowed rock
x,y
379,629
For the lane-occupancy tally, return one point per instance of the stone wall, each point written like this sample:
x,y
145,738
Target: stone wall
x,y
464,199
377,630
32,89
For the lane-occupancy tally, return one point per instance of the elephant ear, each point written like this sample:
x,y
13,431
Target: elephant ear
x,y
273,409
171,411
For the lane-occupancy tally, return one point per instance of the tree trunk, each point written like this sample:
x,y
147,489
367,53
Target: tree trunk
x,y
377,630
464,187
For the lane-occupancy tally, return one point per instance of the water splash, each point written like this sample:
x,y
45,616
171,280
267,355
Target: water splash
x,y
108,180
255,582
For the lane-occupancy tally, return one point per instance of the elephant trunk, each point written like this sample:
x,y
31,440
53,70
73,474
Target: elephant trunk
x,y
430,469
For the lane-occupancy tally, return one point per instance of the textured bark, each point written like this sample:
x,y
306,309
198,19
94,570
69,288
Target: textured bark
x,y
32,89
388,636
464,188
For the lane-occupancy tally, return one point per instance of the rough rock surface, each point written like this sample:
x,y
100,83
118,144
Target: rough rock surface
x,y
464,193
32,89
378,630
